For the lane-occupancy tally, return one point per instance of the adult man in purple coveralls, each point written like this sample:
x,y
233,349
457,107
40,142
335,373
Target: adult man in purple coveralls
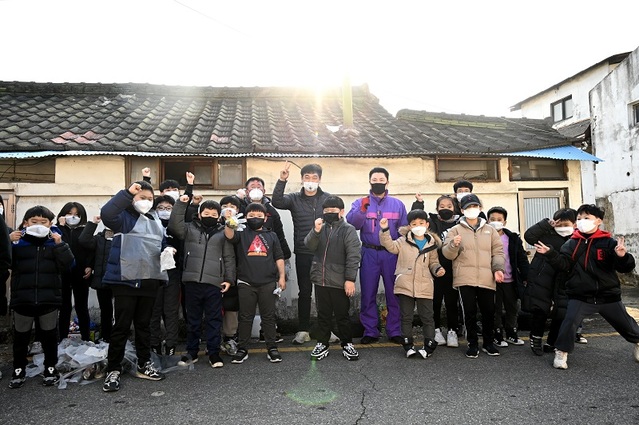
x,y
365,214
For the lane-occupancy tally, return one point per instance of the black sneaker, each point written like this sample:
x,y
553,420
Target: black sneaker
x,y
499,338
535,345
51,376
18,378
169,351
278,338
319,352
368,339
111,382
472,352
490,349
547,348
273,355
148,371
240,356
216,361
349,351
397,339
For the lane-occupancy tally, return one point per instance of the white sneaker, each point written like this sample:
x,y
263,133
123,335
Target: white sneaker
x,y
334,339
301,337
636,352
439,338
451,339
36,348
561,360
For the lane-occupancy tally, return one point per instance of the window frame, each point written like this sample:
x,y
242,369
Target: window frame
x,y
28,167
510,170
563,109
634,113
495,160
213,163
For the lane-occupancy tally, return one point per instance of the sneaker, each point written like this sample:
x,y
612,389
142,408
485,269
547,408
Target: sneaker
x,y
51,376
535,345
368,339
319,352
18,378
148,371
350,352
301,337
635,352
112,382
169,351
439,338
157,349
396,339
36,348
499,339
547,348
424,353
273,355
230,347
410,351
472,352
187,360
261,337
579,339
428,348
561,360
490,349
215,361
278,338
512,338
333,339
240,356
451,339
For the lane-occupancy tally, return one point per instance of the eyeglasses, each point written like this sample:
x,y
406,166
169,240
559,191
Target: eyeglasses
x,y
164,208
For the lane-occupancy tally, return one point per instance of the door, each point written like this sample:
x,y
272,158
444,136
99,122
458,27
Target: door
x,y
535,205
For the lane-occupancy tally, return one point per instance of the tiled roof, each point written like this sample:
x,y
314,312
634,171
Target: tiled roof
x,y
467,134
576,130
196,120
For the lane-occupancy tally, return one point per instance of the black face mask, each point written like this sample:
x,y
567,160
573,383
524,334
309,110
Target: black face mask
x,y
255,223
209,221
445,214
331,218
378,188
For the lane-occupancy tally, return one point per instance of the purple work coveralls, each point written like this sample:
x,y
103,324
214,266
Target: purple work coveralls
x,y
376,261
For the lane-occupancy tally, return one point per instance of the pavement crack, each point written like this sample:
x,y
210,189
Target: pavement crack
x,y
362,402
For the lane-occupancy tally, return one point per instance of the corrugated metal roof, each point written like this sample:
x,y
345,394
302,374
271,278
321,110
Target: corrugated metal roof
x,y
560,152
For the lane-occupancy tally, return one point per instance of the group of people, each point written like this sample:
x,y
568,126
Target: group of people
x,y
225,259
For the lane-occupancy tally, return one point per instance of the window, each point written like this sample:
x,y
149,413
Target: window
x,y
562,109
537,169
37,170
535,205
215,173
635,114
454,169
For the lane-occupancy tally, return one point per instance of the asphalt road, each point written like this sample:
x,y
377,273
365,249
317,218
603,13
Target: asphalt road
x,y
600,386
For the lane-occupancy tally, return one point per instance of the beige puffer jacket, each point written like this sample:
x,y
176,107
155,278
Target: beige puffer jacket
x,y
479,255
415,268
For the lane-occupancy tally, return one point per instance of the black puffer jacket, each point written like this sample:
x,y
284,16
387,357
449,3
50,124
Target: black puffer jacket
x,y
593,265
304,209
546,285
36,286
101,246
518,260
83,256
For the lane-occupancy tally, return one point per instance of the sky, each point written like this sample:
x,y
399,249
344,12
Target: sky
x,y
472,57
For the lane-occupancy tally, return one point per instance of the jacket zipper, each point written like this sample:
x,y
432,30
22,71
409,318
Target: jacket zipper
x,y
206,246
37,268
328,241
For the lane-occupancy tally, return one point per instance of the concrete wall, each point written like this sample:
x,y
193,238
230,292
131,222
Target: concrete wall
x,y
615,138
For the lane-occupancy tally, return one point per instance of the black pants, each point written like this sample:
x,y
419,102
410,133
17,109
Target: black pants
x,y
471,296
506,301
303,264
166,308
207,299
424,310
105,300
538,324
250,298
614,313
79,287
333,301
22,335
445,292
130,309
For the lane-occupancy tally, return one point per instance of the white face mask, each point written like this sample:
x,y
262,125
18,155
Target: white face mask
x,y
38,231
498,225
143,206
585,225
1,210
175,194
256,194
418,230
471,213
564,231
462,195
164,214
72,220
311,186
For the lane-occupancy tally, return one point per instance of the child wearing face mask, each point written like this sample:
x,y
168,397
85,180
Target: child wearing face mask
x,y
593,258
417,264
208,272
515,277
39,257
71,220
477,253
336,249
260,270
134,274
545,293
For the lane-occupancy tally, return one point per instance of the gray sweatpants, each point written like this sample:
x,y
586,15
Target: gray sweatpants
x,y
425,312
